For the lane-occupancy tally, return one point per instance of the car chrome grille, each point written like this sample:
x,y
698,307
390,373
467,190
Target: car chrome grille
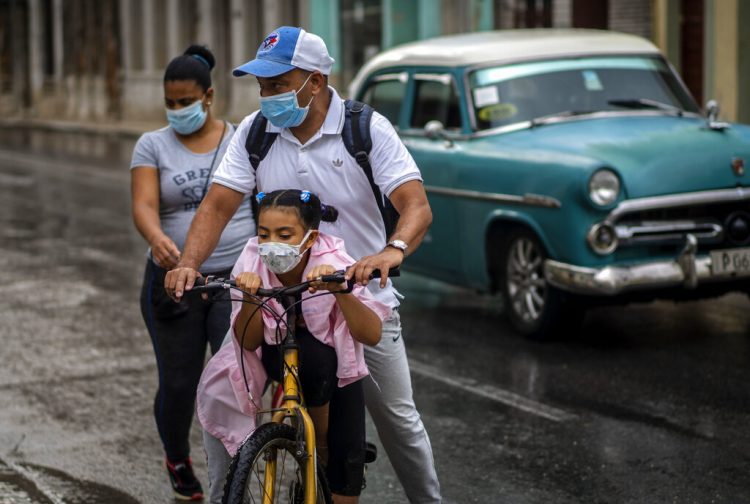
x,y
669,226
668,232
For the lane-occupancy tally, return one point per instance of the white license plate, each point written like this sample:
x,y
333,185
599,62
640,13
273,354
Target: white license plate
x,y
727,262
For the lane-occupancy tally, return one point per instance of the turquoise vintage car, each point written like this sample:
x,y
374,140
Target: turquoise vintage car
x,y
564,168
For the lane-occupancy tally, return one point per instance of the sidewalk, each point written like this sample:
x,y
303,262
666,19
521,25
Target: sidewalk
x,y
127,129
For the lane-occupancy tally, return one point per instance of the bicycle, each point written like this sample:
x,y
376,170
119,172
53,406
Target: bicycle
x,y
259,471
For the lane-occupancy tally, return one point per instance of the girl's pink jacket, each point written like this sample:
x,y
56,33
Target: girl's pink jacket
x,y
224,407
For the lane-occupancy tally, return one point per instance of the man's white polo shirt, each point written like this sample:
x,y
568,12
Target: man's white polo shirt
x,y
324,167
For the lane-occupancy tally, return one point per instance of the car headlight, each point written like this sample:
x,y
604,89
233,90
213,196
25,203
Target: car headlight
x,y
604,187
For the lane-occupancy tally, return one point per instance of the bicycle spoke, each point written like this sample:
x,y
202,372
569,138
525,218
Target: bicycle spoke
x,y
280,470
259,479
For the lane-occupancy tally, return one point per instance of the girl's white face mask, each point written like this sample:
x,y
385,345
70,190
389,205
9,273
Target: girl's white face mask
x,y
282,257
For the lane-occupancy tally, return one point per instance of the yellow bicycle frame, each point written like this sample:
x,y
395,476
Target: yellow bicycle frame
x,y
292,407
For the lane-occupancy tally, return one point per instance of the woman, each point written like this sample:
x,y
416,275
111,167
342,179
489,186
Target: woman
x,y
170,173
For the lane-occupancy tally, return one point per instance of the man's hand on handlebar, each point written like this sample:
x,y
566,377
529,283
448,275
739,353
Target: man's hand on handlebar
x,y
388,258
179,280
316,284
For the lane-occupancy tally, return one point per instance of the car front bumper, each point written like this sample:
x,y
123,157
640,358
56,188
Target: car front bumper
x,y
687,270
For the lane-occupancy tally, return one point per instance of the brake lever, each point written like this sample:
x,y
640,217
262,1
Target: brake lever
x,y
339,277
349,286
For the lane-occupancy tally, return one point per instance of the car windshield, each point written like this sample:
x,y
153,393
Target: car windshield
x,y
523,92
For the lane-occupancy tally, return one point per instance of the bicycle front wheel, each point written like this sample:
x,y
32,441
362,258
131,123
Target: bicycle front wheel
x,y
245,483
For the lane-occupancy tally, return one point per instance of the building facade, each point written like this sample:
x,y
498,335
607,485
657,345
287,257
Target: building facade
x,y
103,60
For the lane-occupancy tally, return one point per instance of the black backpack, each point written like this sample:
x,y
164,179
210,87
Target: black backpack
x,y
356,137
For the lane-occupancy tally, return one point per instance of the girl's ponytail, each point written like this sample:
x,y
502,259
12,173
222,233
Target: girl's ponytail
x,y
328,213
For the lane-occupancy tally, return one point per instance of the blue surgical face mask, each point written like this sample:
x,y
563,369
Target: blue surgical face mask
x,y
188,119
283,110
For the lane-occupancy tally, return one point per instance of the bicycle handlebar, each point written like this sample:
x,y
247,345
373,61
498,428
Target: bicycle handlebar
x,y
209,283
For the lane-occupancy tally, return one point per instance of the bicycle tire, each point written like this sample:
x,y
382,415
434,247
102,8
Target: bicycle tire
x,y
249,459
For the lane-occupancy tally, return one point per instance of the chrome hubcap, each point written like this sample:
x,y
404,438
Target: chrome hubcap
x,y
525,276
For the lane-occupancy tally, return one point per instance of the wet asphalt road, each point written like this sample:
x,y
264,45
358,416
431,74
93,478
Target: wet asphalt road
x,y
648,404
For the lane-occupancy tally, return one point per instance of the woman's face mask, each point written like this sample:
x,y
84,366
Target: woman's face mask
x,y
283,110
188,119
282,257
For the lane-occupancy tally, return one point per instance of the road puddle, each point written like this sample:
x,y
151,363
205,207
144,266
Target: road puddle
x,y
32,484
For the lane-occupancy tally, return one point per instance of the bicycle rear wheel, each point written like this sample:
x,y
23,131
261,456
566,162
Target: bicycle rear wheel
x,y
246,475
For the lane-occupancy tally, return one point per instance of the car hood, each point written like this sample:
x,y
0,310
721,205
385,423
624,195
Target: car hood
x,y
654,155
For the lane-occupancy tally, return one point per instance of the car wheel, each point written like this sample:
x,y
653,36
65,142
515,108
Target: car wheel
x,y
534,308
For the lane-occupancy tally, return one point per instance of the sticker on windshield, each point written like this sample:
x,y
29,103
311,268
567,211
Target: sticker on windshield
x,y
591,80
497,112
484,96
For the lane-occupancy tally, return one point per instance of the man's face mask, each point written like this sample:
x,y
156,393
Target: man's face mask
x,y
188,119
282,257
283,110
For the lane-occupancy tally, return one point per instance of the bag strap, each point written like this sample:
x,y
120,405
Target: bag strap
x,y
257,145
213,160
259,141
358,142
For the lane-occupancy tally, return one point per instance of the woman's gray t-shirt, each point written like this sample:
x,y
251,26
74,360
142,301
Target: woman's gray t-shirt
x,y
182,176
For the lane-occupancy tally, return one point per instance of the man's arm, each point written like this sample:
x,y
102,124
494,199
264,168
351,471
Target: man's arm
x,y
212,216
415,218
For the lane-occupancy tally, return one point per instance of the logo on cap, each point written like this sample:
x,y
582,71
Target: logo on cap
x,y
270,42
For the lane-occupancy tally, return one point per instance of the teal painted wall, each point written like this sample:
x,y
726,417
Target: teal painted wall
x,y
400,22
325,22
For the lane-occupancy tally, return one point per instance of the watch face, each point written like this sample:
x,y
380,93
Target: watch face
x,y
399,244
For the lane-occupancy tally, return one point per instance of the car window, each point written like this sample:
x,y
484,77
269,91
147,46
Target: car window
x,y
435,98
516,93
386,96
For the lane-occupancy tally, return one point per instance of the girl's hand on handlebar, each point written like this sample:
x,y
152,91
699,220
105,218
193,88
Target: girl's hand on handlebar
x,y
249,282
164,252
316,285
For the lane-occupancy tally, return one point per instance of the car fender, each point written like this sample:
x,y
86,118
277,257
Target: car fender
x,y
505,219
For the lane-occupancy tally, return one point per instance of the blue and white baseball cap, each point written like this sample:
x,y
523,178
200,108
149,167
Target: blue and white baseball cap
x,y
285,49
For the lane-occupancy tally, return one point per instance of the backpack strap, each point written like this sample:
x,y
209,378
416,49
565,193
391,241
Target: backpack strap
x,y
259,141
257,145
356,137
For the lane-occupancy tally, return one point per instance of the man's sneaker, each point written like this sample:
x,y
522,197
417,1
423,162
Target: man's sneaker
x,y
184,483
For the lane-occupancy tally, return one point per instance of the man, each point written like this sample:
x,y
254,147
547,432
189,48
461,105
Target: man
x,y
292,68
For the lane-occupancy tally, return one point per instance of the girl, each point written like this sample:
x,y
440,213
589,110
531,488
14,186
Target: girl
x,y
170,173
330,332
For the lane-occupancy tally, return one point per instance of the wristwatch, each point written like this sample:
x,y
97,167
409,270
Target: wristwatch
x,y
399,244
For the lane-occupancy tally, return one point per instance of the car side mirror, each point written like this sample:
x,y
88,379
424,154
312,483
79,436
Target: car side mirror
x,y
712,116
435,130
